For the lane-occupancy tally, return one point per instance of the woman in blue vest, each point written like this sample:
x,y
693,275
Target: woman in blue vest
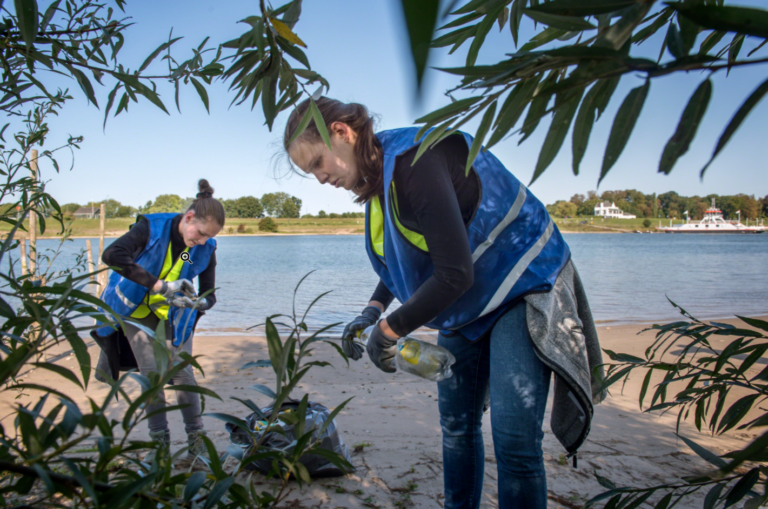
x,y
461,252
154,265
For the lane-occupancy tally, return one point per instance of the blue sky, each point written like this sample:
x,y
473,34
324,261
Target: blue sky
x,y
361,48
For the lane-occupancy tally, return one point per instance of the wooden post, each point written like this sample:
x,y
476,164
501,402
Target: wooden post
x,y
33,219
102,224
23,249
91,267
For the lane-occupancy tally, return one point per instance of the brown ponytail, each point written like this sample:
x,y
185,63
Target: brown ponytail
x,y
368,151
205,206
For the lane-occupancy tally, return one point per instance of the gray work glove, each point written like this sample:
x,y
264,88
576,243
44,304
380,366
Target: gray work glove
x,y
180,301
382,350
203,304
368,317
183,286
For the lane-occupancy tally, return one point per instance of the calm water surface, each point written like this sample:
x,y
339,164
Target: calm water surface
x,y
628,277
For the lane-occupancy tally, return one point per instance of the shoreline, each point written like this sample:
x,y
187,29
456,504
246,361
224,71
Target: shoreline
x,y
297,234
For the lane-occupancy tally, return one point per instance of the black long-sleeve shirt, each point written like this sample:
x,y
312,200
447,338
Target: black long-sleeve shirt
x,y
436,199
123,252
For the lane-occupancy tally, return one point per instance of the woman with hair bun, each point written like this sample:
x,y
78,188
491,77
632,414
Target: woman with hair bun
x,y
154,266
476,256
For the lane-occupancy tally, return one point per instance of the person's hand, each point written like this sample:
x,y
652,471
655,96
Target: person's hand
x,y
382,350
367,318
181,302
183,286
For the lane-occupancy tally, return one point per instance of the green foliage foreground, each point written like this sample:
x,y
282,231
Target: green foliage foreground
x,y
46,444
705,378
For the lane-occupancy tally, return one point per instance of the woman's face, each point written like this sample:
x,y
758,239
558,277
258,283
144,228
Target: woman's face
x,y
336,166
195,231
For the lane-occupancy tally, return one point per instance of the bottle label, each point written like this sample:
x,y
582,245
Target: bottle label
x,y
410,351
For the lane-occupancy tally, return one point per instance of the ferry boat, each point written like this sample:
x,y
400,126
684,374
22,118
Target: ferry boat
x,y
713,222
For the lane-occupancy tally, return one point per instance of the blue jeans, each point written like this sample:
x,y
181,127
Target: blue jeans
x,y
519,383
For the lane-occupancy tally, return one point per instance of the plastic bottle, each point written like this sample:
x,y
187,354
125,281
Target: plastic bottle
x,y
419,358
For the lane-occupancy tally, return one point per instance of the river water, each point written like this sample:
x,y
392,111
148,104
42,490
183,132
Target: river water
x,y
628,277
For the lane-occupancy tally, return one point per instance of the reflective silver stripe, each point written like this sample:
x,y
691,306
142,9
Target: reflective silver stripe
x,y
123,298
518,270
511,216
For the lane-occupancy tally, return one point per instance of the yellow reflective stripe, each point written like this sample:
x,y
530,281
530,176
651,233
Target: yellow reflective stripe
x,y
168,273
414,238
376,227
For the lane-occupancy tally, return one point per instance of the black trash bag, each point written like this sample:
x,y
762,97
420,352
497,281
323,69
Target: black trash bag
x,y
118,352
317,415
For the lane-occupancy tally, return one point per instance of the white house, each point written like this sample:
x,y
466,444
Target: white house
x,y
87,213
606,209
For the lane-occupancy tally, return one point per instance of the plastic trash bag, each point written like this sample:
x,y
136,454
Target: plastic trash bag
x,y
317,415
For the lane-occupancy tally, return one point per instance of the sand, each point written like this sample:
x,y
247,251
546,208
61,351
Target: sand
x,y
392,428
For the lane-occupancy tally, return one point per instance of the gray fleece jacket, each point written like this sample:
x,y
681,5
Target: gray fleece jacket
x,y
564,336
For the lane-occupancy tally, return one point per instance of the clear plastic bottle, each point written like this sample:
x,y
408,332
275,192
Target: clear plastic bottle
x,y
419,358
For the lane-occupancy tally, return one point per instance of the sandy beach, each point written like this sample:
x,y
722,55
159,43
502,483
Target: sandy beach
x,y
392,428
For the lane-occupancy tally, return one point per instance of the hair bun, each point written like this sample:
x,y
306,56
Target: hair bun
x,y
206,191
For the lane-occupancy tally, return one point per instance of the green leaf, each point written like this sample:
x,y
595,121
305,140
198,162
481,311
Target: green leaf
x,y
153,55
736,413
447,111
6,311
26,12
754,322
275,348
264,390
713,496
420,18
321,128
513,108
477,143
742,20
623,124
679,143
483,28
688,33
218,491
558,129
542,38
515,16
585,120
583,8
59,370
618,34
704,453
537,109
737,119
675,42
742,487
568,23
642,35
644,388
193,388
85,85
201,92
664,502
194,483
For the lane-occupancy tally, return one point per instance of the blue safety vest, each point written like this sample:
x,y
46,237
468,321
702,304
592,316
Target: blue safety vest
x,y
516,247
124,296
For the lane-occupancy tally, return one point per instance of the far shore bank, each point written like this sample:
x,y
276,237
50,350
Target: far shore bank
x,y
236,227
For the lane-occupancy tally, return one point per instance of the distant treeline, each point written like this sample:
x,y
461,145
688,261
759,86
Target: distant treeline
x,y
270,204
333,215
666,205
